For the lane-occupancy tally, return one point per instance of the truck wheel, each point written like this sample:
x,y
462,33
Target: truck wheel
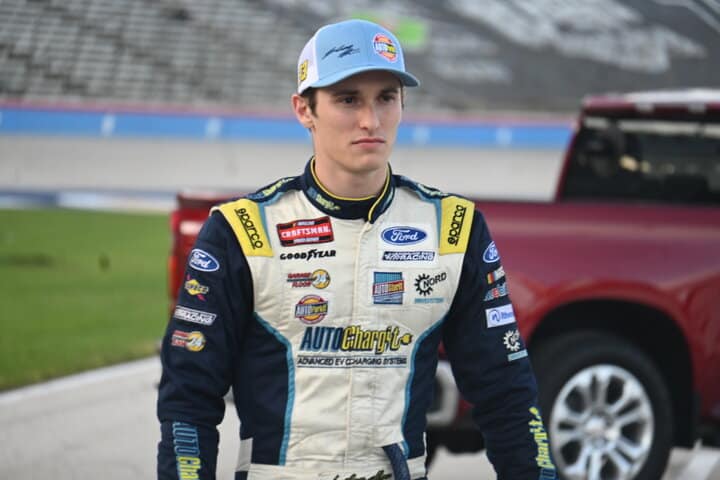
x,y
608,410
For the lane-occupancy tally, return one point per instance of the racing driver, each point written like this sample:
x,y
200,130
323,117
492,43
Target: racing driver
x,y
322,300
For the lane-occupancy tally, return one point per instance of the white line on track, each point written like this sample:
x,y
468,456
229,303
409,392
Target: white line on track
x,y
79,380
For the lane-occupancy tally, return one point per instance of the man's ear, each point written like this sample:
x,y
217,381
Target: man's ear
x,y
302,111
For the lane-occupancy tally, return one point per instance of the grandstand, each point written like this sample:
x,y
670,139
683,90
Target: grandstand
x,y
242,53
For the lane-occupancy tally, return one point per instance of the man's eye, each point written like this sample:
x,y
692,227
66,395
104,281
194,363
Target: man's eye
x,y
347,100
388,98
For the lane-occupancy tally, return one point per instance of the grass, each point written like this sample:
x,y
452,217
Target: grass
x,y
78,290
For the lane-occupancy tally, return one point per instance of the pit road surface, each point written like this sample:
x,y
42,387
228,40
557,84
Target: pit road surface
x,y
101,425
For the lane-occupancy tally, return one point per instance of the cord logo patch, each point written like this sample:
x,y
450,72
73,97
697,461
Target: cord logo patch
x,y
303,232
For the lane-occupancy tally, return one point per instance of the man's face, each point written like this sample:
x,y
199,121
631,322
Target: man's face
x,y
355,122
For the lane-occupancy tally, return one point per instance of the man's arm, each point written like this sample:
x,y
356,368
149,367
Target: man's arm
x,y
198,352
491,367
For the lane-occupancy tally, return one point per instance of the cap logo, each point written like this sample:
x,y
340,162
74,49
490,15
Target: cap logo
x,y
302,71
342,51
385,47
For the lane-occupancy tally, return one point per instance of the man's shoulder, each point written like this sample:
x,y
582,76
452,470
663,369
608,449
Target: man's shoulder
x,y
425,192
274,190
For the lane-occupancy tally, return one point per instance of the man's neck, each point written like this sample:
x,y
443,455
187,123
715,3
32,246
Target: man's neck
x,y
350,185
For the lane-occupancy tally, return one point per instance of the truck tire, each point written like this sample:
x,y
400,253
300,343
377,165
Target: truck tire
x,y
607,409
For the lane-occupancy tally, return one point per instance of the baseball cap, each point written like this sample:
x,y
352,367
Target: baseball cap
x,y
340,50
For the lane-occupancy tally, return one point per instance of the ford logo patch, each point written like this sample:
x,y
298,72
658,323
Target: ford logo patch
x,y
491,253
203,261
403,235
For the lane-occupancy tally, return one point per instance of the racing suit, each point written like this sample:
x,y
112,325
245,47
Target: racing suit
x,y
325,316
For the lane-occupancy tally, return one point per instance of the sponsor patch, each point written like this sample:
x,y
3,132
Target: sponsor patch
x,y
403,235
195,288
311,309
502,315
309,255
456,220
302,71
202,261
385,47
192,341
424,283
186,446
496,292
246,220
353,346
307,231
194,316
388,288
491,255
456,224
495,275
254,236
319,279
537,429
324,202
379,475
412,256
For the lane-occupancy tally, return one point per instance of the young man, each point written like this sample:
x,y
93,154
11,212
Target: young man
x,y
325,297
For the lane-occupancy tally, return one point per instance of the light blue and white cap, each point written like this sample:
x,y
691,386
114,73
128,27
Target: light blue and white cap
x,y
340,50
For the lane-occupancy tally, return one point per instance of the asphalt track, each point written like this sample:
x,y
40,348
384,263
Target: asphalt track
x,y
101,425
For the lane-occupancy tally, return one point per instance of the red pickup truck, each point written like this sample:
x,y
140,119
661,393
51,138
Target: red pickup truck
x,y
615,283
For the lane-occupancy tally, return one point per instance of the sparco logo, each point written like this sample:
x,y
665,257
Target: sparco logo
x,y
309,255
424,283
457,224
250,228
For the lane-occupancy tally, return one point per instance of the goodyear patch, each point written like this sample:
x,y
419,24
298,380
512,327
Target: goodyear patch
x,y
244,217
457,216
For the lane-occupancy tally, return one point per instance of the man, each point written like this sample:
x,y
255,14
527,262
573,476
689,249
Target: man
x,y
324,298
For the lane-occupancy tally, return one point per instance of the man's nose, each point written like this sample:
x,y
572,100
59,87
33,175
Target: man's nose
x,y
369,118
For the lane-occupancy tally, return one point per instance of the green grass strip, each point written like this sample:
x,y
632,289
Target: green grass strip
x,y
79,290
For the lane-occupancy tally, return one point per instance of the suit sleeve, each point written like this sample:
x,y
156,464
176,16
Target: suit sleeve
x,y
491,367
197,354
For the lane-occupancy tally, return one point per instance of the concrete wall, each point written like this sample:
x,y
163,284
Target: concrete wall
x,y
47,163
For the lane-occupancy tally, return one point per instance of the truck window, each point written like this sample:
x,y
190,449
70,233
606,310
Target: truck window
x,y
645,161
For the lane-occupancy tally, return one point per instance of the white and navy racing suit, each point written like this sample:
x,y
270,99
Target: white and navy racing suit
x,y
325,316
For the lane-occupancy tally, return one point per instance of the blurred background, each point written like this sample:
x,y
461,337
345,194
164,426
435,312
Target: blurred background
x,y
110,108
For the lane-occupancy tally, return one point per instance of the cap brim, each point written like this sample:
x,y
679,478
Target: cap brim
x,y
407,79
